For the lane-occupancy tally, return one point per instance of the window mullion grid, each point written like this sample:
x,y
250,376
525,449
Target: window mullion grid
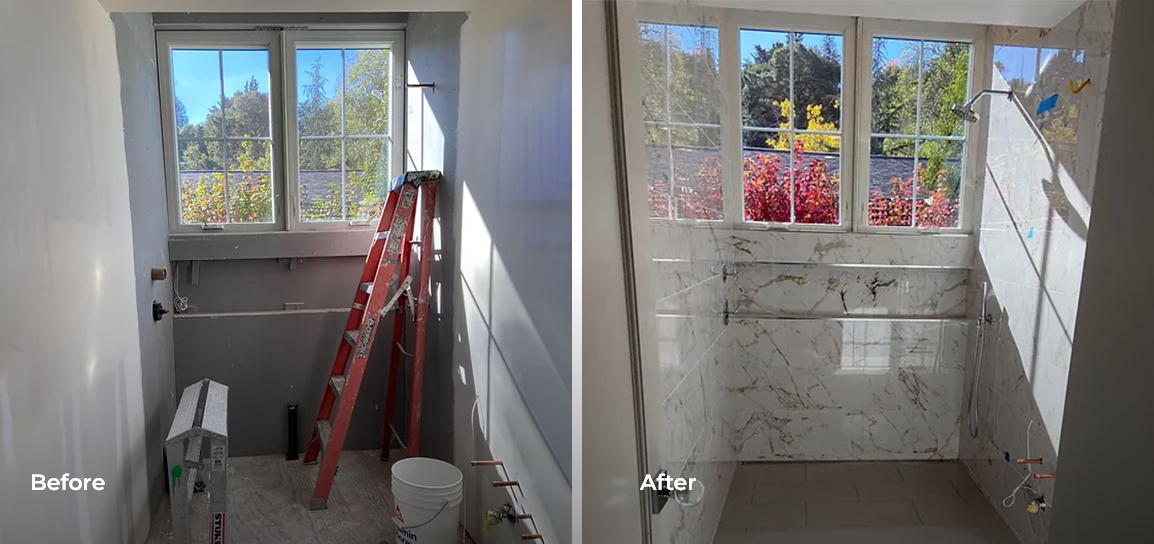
x,y
917,135
792,110
672,200
344,177
224,138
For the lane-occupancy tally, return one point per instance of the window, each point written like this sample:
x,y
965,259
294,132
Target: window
x,y
254,142
791,98
777,120
917,143
681,103
1032,71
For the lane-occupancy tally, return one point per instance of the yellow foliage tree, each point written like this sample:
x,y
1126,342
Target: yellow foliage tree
x,y
813,121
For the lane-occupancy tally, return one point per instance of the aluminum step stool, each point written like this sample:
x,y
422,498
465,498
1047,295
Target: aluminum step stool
x,y
201,419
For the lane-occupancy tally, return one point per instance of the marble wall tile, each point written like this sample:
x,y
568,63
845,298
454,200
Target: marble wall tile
x,y
843,435
1035,211
844,381
852,248
832,291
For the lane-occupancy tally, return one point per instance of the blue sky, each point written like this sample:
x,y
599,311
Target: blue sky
x,y
196,74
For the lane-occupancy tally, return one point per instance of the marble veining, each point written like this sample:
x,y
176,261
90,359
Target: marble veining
x,y
781,289
850,389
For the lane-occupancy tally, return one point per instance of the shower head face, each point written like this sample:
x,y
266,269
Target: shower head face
x,y
964,113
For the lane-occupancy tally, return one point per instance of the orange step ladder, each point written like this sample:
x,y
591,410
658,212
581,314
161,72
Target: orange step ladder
x,y
385,286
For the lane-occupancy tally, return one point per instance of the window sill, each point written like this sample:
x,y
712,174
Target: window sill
x,y
270,245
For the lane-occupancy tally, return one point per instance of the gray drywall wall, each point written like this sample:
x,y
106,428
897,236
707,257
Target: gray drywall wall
x,y
71,396
1108,401
512,310
136,54
433,48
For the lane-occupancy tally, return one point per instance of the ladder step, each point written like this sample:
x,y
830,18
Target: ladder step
x,y
352,336
338,385
192,453
381,235
324,432
366,287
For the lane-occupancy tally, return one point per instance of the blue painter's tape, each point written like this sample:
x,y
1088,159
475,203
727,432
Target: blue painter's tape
x,y
1048,104
1030,234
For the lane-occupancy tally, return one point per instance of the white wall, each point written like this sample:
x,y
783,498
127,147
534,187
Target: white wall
x,y
512,311
70,374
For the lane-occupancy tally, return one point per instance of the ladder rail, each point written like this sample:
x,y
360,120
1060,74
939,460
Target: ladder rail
x,y
426,265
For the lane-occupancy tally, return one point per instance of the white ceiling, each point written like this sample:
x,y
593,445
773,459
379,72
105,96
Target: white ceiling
x,y
1037,13
286,6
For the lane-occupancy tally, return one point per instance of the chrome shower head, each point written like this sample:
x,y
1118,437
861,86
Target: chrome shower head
x,y
965,113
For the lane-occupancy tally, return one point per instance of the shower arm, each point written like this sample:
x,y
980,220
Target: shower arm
x,y
970,102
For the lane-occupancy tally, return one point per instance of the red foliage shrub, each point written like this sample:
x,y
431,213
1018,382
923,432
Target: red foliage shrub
x,y
816,195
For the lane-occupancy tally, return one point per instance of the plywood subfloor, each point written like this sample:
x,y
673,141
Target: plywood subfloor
x,y
267,504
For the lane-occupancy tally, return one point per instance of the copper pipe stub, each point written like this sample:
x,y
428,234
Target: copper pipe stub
x,y
524,516
1045,476
506,483
1037,461
493,463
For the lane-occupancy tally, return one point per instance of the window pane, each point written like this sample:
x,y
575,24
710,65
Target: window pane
x,y
939,183
765,81
366,177
817,179
945,83
196,89
321,190
765,175
201,175
367,73
653,74
694,88
658,165
319,92
250,181
895,86
891,182
817,81
246,85
696,184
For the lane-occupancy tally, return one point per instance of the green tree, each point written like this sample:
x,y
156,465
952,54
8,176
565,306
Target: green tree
x,y
766,83
181,114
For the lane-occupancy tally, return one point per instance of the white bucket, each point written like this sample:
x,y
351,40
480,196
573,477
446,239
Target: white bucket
x,y
428,495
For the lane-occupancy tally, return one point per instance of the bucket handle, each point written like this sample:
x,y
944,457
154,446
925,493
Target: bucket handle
x,y
443,506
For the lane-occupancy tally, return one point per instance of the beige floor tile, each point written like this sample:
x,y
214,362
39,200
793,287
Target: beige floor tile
x,y
888,514
762,516
906,491
921,534
932,471
740,491
806,492
957,512
852,472
771,473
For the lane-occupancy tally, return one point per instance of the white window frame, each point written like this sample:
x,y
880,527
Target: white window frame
x,y
392,40
281,47
687,15
816,24
980,55
168,40
856,111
